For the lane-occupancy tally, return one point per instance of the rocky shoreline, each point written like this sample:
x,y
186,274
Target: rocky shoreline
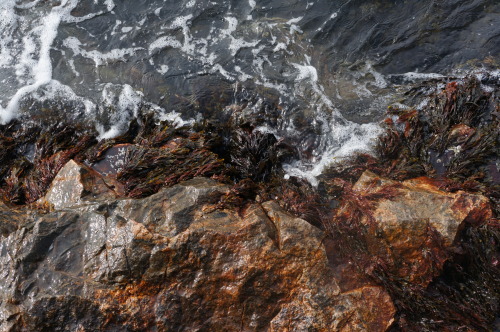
x,y
195,228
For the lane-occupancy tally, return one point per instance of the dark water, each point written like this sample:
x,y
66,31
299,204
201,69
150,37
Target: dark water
x,y
322,71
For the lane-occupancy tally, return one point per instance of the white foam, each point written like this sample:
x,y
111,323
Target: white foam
x,y
163,69
27,59
126,107
71,64
129,99
280,47
306,72
294,27
222,71
380,80
236,43
8,23
42,69
183,22
355,138
175,118
343,141
31,59
294,20
162,42
110,5
420,76
99,58
243,76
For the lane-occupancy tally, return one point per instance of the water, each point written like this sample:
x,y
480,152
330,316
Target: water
x,y
321,71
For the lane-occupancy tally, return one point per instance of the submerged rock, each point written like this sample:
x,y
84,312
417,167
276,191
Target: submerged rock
x,y
171,262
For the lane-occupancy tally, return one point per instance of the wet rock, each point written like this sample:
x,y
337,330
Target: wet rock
x,y
365,309
414,229
74,184
172,262
9,219
113,160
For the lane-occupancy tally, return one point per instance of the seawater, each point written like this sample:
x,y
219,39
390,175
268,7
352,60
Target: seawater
x,y
329,67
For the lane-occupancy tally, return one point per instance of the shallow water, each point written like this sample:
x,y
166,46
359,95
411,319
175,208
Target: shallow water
x,y
320,71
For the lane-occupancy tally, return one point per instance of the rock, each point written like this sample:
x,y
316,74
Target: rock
x,y
73,185
414,229
113,160
9,219
369,308
167,262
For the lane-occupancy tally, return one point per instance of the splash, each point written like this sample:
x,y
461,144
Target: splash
x,y
110,59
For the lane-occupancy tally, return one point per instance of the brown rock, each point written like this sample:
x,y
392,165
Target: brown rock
x,y
167,263
366,309
74,184
414,229
263,271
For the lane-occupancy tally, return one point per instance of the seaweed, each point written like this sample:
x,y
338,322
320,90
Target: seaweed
x,y
453,140
33,155
463,298
298,197
147,170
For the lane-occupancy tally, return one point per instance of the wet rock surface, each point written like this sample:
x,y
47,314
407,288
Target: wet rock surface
x,y
171,262
84,259
9,219
416,226
74,184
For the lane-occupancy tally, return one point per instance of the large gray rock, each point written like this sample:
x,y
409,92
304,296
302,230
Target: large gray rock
x,y
171,262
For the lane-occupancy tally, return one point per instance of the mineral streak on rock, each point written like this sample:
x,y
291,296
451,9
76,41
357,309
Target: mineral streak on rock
x,y
166,262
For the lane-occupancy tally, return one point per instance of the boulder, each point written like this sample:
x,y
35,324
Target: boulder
x,y
73,185
171,262
415,228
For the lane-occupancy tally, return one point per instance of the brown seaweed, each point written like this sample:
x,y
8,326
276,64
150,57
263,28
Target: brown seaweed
x,y
33,155
454,141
